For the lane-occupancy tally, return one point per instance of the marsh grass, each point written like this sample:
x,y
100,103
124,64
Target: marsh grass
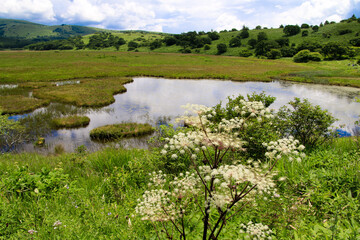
x,y
117,131
71,121
15,104
89,93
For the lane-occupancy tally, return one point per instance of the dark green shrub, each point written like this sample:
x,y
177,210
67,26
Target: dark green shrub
x,y
245,53
262,36
291,30
274,54
235,42
315,56
244,34
207,47
222,48
288,51
305,33
306,122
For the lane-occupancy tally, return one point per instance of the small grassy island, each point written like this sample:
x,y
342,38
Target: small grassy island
x,y
116,131
71,121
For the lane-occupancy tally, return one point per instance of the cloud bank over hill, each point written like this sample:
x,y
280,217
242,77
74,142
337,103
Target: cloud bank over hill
x,y
176,16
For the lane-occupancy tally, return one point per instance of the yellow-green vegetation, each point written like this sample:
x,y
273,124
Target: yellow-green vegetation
x,y
89,93
14,104
71,121
116,131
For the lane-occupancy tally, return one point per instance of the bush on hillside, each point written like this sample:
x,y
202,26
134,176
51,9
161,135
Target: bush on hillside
x,y
291,30
245,53
306,56
273,54
222,48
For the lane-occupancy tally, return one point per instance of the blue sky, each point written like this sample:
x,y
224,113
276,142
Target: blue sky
x,y
176,16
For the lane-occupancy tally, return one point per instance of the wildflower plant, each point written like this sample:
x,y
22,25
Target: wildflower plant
x,y
216,190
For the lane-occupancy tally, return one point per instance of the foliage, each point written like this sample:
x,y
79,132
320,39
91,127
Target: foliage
x,y
252,42
263,47
306,56
273,54
235,42
71,122
244,33
262,36
306,122
117,131
221,48
305,33
334,51
245,53
291,30
213,35
11,133
309,45
213,189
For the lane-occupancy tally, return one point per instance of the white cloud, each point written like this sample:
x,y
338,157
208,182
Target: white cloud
x,y
314,12
40,10
178,15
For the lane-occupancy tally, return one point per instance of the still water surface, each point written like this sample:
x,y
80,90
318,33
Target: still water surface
x,y
156,100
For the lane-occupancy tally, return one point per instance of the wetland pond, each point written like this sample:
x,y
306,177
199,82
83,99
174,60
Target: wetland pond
x,y
158,101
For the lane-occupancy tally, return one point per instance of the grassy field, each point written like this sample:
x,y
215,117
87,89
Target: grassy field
x,y
93,196
103,73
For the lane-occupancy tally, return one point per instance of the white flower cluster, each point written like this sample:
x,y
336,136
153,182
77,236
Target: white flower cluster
x,y
257,231
229,181
157,179
156,206
286,146
192,142
163,205
255,108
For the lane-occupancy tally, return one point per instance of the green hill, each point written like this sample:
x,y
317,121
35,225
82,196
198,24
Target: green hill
x,y
27,30
275,43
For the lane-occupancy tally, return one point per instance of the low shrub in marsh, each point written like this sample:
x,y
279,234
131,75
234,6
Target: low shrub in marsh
x,y
71,122
116,131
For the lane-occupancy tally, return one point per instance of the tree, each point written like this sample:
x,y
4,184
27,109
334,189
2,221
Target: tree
x,y
315,28
244,34
252,43
310,45
213,35
305,33
155,44
263,47
132,45
170,40
262,36
119,42
235,42
305,25
291,30
222,48
334,50
273,54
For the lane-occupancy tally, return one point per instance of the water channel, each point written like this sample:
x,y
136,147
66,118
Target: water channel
x,y
157,101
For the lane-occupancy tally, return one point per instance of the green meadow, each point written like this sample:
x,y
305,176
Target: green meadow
x,y
39,71
84,195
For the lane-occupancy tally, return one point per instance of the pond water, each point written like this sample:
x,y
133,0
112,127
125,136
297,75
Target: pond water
x,y
157,101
